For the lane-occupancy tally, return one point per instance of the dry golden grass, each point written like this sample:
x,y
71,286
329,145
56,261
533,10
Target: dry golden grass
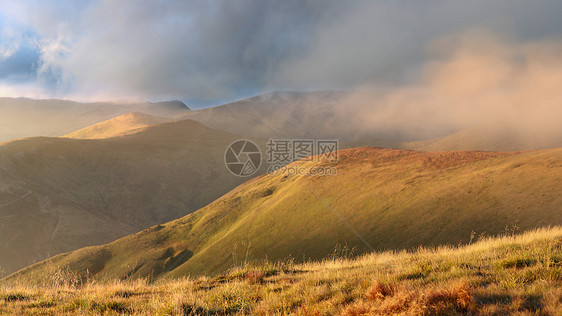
x,y
514,274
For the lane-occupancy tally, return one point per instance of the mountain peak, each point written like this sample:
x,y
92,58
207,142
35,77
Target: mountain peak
x,y
173,104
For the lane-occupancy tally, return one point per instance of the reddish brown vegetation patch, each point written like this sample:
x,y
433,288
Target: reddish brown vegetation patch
x,y
385,300
456,299
357,310
379,291
255,277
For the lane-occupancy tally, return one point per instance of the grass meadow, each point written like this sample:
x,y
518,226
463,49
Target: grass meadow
x,y
510,274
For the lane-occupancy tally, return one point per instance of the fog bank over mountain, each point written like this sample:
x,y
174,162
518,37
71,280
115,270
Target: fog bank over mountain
x,y
479,81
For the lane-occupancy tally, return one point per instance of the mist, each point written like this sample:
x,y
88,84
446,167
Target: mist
x,y
478,80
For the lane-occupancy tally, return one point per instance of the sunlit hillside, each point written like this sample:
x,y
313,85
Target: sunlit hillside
x,y
125,124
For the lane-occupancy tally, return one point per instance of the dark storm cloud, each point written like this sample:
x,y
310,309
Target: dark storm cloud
x,y
106,49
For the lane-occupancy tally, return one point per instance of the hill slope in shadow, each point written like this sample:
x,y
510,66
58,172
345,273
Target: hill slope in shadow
x,y
60,194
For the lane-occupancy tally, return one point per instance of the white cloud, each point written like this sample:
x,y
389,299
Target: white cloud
x,y
10,43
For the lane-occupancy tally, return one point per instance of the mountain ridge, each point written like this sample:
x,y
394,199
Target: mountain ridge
x,y
121,125
24,117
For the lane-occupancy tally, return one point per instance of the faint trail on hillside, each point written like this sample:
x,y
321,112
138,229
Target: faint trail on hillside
x,y
16,200
56,228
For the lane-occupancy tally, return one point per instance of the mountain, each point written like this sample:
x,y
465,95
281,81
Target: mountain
x,y
21,117
276,114
60,194
129,123
297,115
379,199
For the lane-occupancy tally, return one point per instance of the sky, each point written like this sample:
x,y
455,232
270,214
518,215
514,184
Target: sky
x,y
211,52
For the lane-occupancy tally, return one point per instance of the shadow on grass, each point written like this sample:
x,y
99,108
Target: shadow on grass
x,y
491,299
532,303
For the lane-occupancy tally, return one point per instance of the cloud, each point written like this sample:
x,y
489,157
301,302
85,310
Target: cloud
x,y
343,46
9,46
473,81
106,49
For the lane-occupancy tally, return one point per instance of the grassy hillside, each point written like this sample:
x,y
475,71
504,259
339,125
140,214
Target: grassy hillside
x,y
125,124
515,274
379,199
21,117
59,194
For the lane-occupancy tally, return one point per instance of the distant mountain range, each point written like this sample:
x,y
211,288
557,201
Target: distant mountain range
x,y
21,117
280,115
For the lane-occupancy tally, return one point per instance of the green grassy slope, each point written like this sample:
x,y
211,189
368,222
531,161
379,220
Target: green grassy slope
x,y
59,194
388,199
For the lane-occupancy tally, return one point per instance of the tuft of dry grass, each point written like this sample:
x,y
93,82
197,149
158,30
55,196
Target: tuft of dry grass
x,y
457,299
358,309
255,277
379,291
